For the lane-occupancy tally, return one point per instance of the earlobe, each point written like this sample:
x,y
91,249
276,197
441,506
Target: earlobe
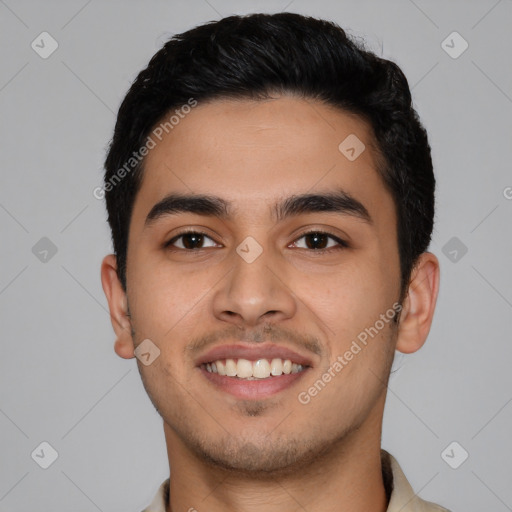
x,y
419,304
118,306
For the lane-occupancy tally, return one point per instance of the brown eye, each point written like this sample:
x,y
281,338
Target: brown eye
x,y
320,241
190,240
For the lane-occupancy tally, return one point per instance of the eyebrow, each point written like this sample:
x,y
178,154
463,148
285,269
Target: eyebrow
x,y
339,202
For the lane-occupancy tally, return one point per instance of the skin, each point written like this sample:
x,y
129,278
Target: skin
x,y
272,454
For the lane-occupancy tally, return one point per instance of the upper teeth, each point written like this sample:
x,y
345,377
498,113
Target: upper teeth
x,y
260,369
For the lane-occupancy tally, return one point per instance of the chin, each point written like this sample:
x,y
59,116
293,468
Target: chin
x,y
268,459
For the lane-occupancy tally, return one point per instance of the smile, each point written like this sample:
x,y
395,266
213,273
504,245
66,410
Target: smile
x,y
253,371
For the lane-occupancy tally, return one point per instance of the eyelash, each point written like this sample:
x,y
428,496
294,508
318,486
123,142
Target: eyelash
x,y
341,243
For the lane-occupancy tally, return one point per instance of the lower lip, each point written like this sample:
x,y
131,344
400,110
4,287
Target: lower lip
x,y
253,389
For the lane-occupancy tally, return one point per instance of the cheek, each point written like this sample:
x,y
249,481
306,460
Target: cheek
x,y
353,297
163,299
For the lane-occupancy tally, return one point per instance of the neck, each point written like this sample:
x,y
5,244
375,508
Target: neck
x,y
348,478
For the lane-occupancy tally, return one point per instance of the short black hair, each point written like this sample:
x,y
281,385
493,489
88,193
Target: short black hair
x,y
254,56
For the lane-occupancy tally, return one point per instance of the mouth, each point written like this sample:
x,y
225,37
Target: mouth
x,y
253,372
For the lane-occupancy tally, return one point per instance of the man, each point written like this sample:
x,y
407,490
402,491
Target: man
x,y
271,197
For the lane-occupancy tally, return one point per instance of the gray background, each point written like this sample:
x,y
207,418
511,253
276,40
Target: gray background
x,y
60,380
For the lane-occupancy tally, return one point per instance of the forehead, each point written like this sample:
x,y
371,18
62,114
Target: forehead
x,y
253,152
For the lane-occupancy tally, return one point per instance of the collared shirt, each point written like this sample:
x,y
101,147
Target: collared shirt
x,y
401,495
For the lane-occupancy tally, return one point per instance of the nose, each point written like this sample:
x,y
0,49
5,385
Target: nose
x,y
254,292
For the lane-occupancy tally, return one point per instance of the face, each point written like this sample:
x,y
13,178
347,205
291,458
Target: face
x,y
262,278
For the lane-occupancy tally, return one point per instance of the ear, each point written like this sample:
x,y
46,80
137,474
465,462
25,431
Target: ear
x,y
118,305
419,304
